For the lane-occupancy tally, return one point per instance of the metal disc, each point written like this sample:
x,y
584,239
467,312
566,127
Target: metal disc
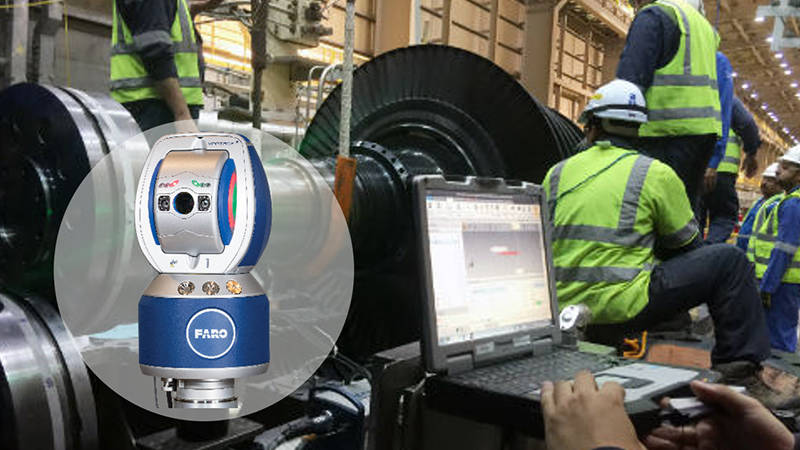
x,y
114,121
50,139
44,386
48,145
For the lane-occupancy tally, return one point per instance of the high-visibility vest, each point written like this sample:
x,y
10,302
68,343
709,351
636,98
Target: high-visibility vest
x,y
684,99
761,215
766,239
733,155
603,240
129,78
745,236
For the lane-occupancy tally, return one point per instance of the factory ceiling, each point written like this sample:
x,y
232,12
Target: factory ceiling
x,y
767,80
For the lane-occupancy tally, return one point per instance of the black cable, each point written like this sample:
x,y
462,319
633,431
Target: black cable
x,y
360,411
343,412
311,425
353,366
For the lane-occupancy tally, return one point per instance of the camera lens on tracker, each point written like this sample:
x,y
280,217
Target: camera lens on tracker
x,y
184,203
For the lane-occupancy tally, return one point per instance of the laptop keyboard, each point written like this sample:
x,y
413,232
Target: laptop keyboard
x,y
526,375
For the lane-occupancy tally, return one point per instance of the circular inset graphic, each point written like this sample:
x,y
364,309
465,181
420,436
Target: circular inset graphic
x,y
306,271
211,333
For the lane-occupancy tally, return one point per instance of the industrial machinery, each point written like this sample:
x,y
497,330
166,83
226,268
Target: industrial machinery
x,y
50,138
203,214
45,388
460,115
417,110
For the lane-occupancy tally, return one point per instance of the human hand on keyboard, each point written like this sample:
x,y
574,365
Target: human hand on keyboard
x,y
579,416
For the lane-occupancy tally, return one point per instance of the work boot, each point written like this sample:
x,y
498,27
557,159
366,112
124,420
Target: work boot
x,y
748,375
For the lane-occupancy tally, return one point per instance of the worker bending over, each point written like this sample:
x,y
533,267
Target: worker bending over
x,y
721,202
777,260
611,207
771,194
670,54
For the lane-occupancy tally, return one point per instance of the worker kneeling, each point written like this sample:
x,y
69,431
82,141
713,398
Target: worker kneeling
x,y
612,210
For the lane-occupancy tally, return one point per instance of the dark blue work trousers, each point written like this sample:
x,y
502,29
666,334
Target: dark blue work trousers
x,y
782,317
720,276
151,113
687,155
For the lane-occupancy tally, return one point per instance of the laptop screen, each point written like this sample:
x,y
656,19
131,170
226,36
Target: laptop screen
x,y
487,256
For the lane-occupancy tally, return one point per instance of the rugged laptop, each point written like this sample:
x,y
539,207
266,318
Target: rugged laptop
x,y
490,317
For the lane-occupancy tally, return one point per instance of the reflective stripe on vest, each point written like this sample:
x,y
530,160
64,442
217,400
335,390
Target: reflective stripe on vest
x,y
129,78
733,154
599,274
130,83
765,261
766,240
684,98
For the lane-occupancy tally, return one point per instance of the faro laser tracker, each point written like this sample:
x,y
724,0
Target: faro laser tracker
x,y
203,215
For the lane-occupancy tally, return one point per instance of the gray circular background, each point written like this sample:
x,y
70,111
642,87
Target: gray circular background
x,y
306,271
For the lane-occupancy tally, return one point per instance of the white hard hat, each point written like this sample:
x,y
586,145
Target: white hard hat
x,y
698,5
617,100
771,171
792,155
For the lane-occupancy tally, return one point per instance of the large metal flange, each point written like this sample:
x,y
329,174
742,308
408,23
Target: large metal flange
x,y
45,388
385,156
50,138
48,145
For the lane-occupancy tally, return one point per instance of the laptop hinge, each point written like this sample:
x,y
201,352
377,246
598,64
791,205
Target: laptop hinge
x,y
542,346
459,363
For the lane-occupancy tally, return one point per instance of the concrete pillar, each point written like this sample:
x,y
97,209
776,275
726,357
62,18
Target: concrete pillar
x,y
16,45
613,50
395,24
537,64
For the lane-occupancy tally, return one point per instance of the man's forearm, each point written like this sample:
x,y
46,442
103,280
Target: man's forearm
x,y
170,91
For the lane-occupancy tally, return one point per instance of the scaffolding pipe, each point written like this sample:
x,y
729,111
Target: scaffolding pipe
x,y
323,79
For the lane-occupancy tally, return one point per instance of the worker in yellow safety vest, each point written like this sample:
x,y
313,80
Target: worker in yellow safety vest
x,y
670,54
613,209
155,71
721,204
771,195
775,243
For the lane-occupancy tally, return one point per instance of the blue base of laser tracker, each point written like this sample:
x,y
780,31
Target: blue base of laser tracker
x,y
203,333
